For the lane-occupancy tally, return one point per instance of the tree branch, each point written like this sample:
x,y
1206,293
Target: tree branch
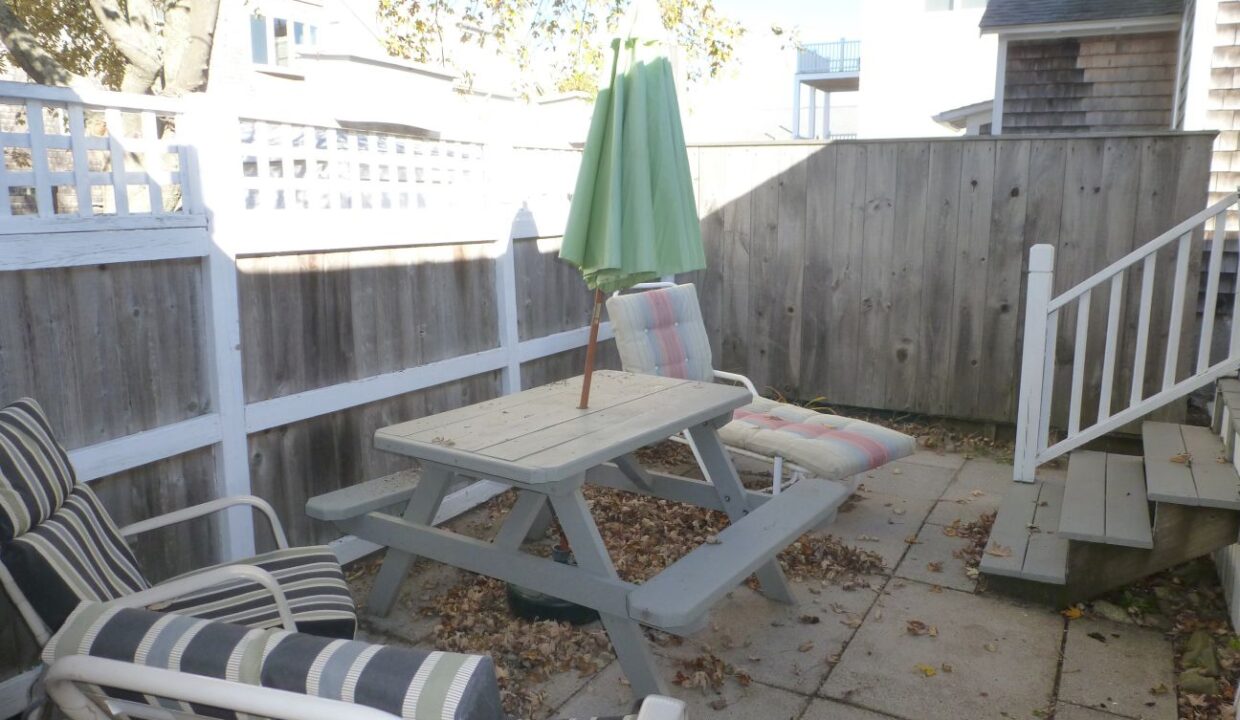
x,y
133,31
189,27
26,52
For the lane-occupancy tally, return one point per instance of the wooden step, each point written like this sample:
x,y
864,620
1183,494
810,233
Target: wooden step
x,y
1187,465
1025,542
681,594
1105,501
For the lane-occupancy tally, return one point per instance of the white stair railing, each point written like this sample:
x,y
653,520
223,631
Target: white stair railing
x,y
1042,315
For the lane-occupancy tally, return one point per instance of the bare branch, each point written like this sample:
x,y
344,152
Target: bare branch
x,y
134,33
26,52
189,26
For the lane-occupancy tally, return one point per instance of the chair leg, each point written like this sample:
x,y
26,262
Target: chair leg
x,y
777,475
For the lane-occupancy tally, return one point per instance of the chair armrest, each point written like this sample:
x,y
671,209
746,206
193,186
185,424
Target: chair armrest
x,y
661,707
173,589
735,377
207,508
655,285
65,675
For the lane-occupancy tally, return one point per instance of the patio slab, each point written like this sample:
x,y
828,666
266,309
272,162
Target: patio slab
x,y
909,480
1068,711
781,645
1002,657
608,694
1118,667
976,489
821,709
947,461
932,560
880,523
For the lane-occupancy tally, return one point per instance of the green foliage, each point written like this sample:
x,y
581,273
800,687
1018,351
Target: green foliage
x,y
70,32
554,45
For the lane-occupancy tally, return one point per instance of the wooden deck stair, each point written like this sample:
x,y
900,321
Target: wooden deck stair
x,y
1121,517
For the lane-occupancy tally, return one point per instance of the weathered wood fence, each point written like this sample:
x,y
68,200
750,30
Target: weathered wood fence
x,y
211,300
890,274
215,300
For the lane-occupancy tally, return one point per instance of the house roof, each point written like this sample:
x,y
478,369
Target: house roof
x,y
1007,13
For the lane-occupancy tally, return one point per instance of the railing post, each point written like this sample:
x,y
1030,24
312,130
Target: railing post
x,y
1032,404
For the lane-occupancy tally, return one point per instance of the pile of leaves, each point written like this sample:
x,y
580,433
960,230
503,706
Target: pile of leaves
x,y
708,672
474,618
643,535
1187,603
977,533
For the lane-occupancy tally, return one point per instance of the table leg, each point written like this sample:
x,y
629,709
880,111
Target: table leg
x,y
421,509
722,474
626,634
524,516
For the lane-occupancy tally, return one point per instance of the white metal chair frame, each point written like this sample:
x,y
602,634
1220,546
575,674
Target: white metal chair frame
x,y
172,589
66,674
778,462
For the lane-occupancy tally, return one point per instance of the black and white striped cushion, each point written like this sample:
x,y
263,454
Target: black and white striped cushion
x,y
311,579
409,683
76,554
35,473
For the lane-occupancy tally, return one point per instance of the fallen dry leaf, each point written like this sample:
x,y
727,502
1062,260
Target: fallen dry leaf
x,y
935,566
998,550
926,670
1073,613
806,646
1182,458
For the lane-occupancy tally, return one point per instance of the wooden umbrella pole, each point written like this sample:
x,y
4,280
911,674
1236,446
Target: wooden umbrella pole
x,y
593,344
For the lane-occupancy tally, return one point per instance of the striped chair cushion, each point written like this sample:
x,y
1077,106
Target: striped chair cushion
x,y
35,473
311,579
75,554
660,332
832,447
408,683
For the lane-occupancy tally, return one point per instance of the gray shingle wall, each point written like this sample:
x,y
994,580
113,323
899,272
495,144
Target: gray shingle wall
x,y
1106,82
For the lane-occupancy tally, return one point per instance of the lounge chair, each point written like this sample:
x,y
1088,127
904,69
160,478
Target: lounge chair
x,y
660,332
109,663
59,547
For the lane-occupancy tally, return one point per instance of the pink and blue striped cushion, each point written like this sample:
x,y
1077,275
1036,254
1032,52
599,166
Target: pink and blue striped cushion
x,y
830,446
660,332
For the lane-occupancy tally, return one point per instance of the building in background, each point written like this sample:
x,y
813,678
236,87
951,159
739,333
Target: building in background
x,y
914,60
294,53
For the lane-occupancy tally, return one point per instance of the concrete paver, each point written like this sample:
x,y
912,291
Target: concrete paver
x,y
988,657
880,523
932,559
781,645
821,709
909,480
1123,669
608,694
1068,711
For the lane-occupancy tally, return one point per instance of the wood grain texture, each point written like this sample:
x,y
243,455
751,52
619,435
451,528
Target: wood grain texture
x,y
912,274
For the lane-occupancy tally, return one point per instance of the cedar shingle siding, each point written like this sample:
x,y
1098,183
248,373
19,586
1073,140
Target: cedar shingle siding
x,y
1223,102
1106,82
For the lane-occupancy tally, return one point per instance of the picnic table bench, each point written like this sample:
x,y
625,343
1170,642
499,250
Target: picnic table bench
x,y
541,444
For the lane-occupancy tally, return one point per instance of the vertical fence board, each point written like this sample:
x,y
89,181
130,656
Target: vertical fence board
x,y
820,273
844,256
873,349
935,315
734,262
903,352
969,288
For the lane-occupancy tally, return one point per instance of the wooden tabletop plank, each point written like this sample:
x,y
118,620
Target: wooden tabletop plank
x,y
516,421
550,447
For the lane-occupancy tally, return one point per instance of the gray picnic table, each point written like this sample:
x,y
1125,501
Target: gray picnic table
x,y
541,444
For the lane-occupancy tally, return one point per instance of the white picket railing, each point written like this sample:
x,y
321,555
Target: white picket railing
x,y
1042,315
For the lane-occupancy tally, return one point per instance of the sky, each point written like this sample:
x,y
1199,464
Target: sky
x,y
817,20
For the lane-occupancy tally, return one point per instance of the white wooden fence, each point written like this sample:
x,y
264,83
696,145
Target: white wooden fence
x,y
1117,406
98,177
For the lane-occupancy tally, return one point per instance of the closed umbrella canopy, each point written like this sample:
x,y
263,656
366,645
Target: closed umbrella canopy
x,y
633,216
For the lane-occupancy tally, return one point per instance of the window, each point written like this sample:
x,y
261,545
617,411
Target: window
x,y
273,40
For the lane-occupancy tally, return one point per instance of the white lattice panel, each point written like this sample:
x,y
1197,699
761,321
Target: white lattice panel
x,y
66,158
303,167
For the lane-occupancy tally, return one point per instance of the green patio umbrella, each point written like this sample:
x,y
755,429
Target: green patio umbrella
x,y
633,216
